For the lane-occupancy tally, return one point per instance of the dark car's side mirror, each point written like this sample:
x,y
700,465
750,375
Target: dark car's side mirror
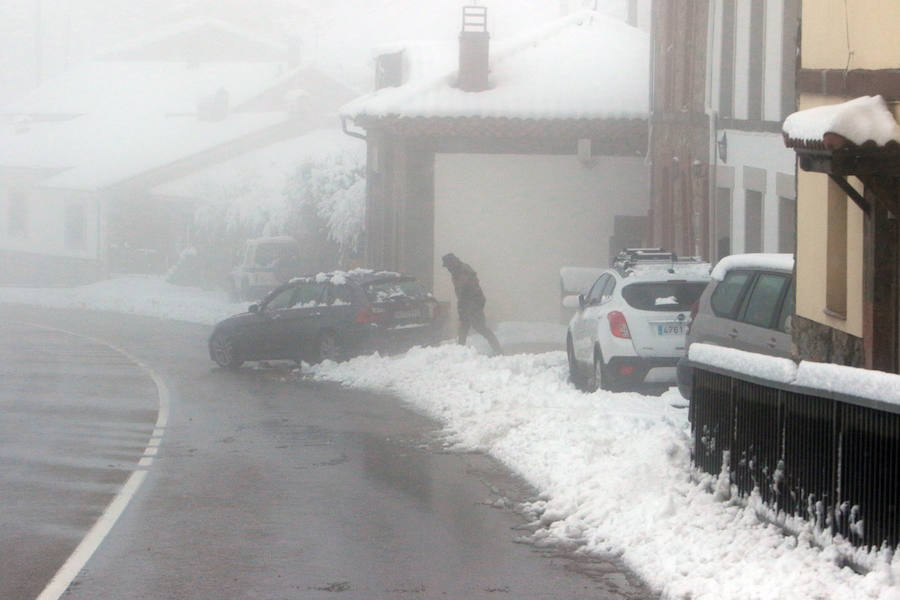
x,y
254,308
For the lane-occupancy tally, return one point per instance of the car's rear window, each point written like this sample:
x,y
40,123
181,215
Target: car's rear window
x,y
663,296
384,290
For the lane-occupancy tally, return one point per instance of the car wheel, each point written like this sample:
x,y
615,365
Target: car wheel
x,y
329,347
600,377
223,352
574,376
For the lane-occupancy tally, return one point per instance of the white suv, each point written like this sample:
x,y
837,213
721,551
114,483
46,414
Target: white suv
x,y
630,326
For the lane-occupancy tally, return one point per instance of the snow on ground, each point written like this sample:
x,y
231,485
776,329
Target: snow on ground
x,y
613,471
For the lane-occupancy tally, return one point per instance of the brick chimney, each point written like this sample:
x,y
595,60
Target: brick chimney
x,y
474,50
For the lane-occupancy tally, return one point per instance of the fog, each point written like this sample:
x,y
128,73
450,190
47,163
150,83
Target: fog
x,y
156,137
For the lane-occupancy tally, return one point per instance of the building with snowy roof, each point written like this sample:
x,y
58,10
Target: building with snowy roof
x,y
81,154
515,154
847,142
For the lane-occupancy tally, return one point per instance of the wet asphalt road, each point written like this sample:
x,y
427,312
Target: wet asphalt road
x,y
264,486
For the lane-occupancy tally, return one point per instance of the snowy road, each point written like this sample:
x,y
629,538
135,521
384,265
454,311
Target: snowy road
x,y
272,487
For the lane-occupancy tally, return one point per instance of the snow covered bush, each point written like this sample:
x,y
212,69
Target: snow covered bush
x,y
334,188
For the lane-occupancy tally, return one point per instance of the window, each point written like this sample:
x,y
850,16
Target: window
x,y
764,300
341,294
302,294
787,311
727,296
608,290
668,296
723,222
17,214
753,220
836,256
596,293
787,225
76,227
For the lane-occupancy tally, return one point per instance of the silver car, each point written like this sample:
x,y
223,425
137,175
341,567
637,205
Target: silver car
x,y
748,305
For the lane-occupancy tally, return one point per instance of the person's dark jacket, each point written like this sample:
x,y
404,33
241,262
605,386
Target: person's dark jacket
x,y
469,296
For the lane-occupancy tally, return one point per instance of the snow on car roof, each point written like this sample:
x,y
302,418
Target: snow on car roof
x,y
356,275
667,271
775,262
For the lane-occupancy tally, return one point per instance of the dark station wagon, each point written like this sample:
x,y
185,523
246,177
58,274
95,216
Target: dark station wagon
x,y
330,316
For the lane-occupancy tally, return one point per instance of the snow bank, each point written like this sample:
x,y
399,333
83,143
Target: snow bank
x,y
613,474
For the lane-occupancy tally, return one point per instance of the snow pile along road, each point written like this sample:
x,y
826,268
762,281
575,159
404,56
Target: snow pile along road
x,y
614,475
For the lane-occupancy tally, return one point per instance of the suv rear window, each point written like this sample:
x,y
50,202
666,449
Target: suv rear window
x,y
663,296
382,291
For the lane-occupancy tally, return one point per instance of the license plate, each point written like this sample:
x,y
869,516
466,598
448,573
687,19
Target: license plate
x,y
677,329
406,314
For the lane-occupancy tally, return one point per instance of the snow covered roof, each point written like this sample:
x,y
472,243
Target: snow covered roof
x,y
860,121
148,87
584,66
269,167
198,27
97,151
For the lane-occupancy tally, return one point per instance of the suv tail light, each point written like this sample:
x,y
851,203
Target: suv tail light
x,y
618,326
370,314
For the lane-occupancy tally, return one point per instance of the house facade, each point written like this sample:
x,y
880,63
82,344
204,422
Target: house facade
x,y
81,154
846,139
486,158
723,81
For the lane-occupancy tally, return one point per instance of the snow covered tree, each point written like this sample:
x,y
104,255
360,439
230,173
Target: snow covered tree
x,y
328,198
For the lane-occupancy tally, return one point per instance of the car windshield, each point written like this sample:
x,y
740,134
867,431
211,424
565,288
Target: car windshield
x,y
664,295
384,290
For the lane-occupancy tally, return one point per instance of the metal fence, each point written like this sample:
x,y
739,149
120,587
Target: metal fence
x,y
829,458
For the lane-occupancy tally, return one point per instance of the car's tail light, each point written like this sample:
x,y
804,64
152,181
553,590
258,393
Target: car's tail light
x,y
370,314
618,326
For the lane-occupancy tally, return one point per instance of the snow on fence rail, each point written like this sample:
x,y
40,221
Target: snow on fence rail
x,y
816,441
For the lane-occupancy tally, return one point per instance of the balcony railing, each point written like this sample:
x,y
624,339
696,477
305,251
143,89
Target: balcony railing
x,y
828,457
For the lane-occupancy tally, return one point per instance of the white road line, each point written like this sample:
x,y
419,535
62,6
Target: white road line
x,y
89,544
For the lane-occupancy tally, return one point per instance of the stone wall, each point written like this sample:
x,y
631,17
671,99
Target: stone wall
x,y
820,343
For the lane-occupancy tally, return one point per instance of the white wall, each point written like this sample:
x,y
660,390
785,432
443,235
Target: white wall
x,y
45,223
772,80
761,151
517,219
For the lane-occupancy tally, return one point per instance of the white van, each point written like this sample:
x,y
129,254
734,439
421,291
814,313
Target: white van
x,y
263,264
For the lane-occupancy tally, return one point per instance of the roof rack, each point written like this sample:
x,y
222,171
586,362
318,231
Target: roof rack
x,y
630,259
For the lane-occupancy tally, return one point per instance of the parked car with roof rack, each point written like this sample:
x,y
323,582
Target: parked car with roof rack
x,y
748,305
333,316
630,327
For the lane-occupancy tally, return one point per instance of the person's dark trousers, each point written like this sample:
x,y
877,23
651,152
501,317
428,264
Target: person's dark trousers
x,y
477,322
